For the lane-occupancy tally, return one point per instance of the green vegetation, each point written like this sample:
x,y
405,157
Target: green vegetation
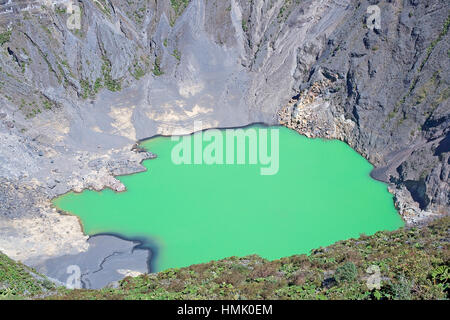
x,y
137,72
60,10
346,273
32,108
90,90
139,15
444,95
47,104
66,64
176,54
435,42
98,85
85,86
179,6
401,290
110,83
78,33
427,56
286,9
414,264
244,25
5,37
18,280
136,13
103,6
157,68
427,88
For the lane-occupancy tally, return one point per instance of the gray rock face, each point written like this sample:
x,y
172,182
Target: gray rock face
x,y
73,102
385,92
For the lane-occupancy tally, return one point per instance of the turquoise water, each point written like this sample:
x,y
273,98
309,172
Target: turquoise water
x,y
320,192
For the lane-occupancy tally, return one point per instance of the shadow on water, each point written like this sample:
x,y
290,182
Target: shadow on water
x,y
142,243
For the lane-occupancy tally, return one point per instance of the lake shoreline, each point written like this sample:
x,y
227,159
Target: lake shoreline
x,y
315,149
142,243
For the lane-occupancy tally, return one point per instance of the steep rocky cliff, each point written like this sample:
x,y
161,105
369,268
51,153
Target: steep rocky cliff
x,y
385,92
75,98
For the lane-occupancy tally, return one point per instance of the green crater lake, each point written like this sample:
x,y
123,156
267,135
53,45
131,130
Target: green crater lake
x,y
320,192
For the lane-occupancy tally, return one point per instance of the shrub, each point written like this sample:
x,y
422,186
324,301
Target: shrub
x,y
401,290
176,54
346,273
5,37
110,83
157,68
179,6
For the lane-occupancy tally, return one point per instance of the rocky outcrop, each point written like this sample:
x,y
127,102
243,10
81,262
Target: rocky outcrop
x,y
385,92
